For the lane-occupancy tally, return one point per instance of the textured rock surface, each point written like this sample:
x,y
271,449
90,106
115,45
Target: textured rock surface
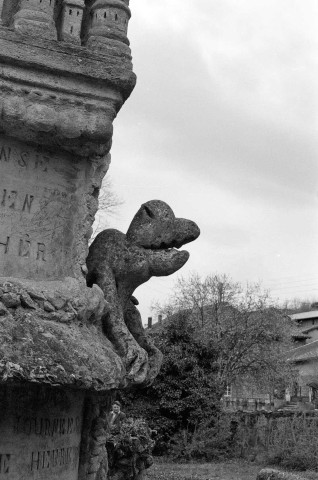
x,y
271,474
50,333
40,417
48,200
46,84
119,263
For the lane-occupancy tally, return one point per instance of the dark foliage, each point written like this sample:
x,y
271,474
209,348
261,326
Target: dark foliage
x,y
185,393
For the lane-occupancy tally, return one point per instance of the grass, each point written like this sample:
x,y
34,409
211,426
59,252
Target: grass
x,y
232,470
204,471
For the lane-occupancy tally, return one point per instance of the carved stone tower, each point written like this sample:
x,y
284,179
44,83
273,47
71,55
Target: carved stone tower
x,y
36,17
109,23
71,24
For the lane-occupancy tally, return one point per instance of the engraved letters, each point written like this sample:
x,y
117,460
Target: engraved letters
x,y
6,245
40,193
43,428
5,154
41,252
13,200
27,203
9,198
60,457
25,247
47,427
23,159
5,463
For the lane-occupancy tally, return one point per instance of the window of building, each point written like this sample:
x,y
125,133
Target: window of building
x,y
228,391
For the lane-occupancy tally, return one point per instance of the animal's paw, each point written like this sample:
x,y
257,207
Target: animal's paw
x,y
136,363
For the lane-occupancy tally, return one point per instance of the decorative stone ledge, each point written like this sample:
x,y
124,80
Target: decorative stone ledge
x,y
51,335
44,85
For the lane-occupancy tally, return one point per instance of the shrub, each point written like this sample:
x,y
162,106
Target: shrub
x,y
293,459
209,441
129,450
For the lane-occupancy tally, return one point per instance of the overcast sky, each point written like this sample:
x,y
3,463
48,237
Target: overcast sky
x,y
222,125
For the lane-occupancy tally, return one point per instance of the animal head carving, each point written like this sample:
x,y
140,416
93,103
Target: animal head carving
x,y
155,228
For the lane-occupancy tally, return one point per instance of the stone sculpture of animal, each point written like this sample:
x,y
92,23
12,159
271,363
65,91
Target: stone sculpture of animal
x,y
118,263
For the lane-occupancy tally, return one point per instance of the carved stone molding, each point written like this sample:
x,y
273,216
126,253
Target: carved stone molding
x,y
45,86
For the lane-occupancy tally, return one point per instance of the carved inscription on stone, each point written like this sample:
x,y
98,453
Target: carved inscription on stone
x,y
40,437
41,193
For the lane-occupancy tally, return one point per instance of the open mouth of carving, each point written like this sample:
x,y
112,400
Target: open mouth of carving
x,y
164,246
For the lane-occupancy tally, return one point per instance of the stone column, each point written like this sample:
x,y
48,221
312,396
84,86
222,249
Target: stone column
x,y
35,17
57,368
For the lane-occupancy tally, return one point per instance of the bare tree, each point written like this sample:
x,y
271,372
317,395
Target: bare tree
x,y
241,323
108,206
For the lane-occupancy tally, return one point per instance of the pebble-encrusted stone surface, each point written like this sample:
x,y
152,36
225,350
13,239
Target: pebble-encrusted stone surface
x,y
50,334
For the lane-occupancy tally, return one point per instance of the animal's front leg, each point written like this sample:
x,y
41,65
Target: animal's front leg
x,y
135,358
134,324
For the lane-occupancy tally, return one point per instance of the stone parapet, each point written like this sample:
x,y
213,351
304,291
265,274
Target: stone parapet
x,y
72,21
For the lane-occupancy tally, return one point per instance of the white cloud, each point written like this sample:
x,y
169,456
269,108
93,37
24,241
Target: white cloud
x,y
223,126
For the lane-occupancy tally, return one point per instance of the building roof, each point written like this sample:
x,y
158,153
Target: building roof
x,y
304,353
304,315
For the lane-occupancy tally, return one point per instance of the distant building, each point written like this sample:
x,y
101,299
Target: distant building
x,y
305,359
307,323
245,396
